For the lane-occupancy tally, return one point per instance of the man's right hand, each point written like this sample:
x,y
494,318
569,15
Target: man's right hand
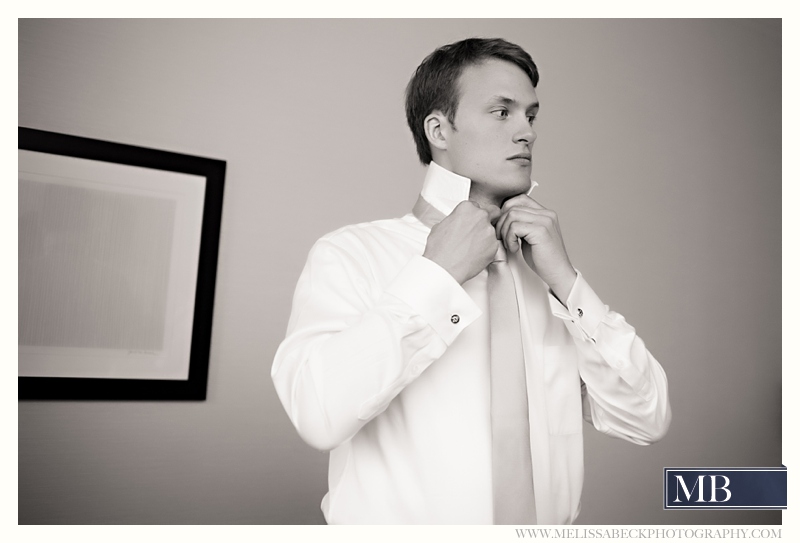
x,y
465,241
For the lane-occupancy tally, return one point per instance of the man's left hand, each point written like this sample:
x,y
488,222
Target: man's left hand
x,y
524,221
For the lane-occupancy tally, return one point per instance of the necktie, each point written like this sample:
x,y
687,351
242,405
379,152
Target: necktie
x,y
512,470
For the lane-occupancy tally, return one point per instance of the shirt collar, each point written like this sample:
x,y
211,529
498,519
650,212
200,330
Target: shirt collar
x,y
444,189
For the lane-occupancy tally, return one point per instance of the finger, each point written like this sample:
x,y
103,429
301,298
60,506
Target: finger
x,y
515,213
508,229
466,205
481,205
521,200
458,210
493,211
520,224
518,231
543,216
512,234
502,223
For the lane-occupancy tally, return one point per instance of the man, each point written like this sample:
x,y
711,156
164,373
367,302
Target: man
x,y
399,355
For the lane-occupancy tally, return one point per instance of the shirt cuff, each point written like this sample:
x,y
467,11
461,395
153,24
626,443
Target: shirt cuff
x,y
584,310
436,296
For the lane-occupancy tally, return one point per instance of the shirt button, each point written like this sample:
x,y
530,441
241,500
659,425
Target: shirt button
x,y
454,319
580,312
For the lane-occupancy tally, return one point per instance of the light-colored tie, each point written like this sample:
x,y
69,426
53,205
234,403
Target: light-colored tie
x,y
512,469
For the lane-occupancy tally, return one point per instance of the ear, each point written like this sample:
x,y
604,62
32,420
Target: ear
x,y
437,129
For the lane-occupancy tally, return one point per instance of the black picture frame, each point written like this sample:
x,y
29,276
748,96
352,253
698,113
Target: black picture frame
x,y
193,388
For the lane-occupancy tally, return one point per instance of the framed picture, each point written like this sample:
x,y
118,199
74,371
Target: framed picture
x,y
117,265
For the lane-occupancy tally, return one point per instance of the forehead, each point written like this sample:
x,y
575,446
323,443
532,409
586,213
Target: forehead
x,y
494,77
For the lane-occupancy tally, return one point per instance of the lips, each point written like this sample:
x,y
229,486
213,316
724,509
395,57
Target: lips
x,y
522,158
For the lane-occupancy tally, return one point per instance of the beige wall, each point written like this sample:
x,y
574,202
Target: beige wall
x,y
659,145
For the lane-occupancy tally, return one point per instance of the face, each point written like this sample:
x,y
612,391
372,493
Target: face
x,y
492,136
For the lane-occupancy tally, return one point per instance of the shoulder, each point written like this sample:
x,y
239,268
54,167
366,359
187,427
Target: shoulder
x,y
370,244
367,234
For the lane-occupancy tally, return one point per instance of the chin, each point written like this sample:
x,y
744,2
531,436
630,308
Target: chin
x,y
505,186
519,186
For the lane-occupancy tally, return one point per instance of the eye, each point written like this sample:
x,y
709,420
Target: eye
x,y
500,113
531,118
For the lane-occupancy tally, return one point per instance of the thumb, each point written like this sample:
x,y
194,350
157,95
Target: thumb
x,y
493,211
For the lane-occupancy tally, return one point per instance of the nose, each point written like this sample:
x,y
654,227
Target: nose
x,y
525,133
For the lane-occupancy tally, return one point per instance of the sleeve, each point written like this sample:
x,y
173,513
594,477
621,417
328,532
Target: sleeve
x,y
624,388
351,347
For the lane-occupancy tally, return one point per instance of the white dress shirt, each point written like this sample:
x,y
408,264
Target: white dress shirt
x,y
386,364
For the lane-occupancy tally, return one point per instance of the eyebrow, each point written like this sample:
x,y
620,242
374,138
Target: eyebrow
x,y
511,102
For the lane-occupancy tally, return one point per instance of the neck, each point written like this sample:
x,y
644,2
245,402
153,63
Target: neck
x,y
483,199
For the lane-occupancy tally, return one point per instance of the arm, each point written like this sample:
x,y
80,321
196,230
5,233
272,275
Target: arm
x,y
624,388
351,347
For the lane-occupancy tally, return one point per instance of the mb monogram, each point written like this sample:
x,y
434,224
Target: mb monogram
x,y
699,485
725,488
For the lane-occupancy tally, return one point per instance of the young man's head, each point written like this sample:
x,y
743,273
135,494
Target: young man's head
x,y
470,106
